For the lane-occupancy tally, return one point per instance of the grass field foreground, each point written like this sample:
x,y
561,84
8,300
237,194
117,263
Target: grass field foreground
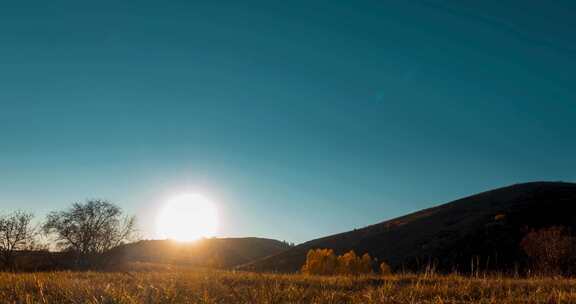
x,y
237,287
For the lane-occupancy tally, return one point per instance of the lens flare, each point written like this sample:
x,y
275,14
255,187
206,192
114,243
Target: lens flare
x,y
187,217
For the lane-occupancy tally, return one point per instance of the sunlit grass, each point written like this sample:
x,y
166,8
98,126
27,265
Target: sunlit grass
x,y
186,286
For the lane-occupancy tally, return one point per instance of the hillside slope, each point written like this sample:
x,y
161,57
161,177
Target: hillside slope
x,y
486,227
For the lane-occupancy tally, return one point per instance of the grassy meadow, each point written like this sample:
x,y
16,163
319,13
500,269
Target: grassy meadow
x,y
193,286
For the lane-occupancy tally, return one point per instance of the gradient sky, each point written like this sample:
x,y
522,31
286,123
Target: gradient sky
x,y
299,118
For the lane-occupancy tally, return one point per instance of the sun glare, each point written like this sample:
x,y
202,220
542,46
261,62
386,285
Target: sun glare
x,y
187,217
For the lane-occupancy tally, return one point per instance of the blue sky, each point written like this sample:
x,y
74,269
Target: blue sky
x,y
299,118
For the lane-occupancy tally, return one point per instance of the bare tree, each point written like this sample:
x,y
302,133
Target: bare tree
x,y
90,228
16,233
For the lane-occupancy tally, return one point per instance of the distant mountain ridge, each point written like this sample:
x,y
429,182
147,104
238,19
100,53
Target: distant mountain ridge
x,y
160,254
212,252
485,228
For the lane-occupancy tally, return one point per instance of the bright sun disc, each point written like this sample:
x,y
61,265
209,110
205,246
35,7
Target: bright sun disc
x,y
187,217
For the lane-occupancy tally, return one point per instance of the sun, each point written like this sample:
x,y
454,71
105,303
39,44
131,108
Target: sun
x,y
187,217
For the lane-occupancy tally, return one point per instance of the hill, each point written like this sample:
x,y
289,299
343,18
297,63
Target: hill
x,y
213,252
484,230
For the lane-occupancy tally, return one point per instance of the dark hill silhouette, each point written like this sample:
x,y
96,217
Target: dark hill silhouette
x,y
484,229
213,252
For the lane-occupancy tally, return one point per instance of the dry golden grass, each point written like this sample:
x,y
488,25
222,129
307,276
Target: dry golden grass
x,y
186,286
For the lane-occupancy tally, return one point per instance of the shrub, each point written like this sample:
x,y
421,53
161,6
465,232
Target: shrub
x,y
321,262
325,262
348,263
550,250
500,217
366,263
385,268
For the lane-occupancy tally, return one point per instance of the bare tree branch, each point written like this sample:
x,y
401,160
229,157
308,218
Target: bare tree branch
x,y
16,233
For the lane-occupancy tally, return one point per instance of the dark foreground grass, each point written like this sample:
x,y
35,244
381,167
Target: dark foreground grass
x,y
184,286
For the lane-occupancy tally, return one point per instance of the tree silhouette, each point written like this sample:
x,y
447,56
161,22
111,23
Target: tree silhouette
x,y
90,228
16,233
